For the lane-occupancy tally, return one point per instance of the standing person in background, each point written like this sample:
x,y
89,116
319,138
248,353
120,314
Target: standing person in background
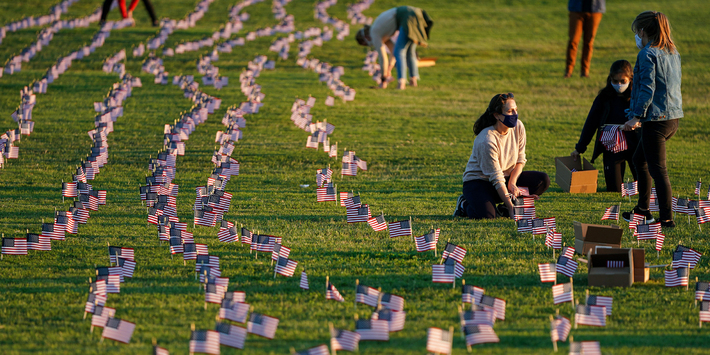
x,y
128,13
413,25
610,107
584,17
656,106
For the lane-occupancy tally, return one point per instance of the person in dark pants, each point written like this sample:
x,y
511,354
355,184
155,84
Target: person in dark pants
x,y
656,106
128,13
494,171
584,17
609,108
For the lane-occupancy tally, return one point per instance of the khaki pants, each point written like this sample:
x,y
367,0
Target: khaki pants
x,y
579,22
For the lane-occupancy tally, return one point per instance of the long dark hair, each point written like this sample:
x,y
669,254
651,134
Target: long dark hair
x,y
619,67
495,106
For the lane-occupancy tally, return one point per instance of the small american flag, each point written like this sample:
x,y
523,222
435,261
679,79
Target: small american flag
x,y
495,304
590,315
304,281
176,246
698,184
372,329
128,267
615,264
548,272
477,317
286,267
585,348
393,302
702,291
344,340
566,266
38,242
246,236
523,213
612,212
116,252
439,341
101,316
524,225
349,169
231,335
262,243
454,251
69,189
367,295
568,252
479,334
52,231
233,310
352,202
189,251
629,189
394,319
705,311
702,214
160,351
344,196
680,205
684,256
602,301
118,330
214,293
112,275
553,239
677,277
318,350
636,219
14,246
400,229
540,225
326,193
357,215
279,251
471,294
205,217
560,328
204,341
427,241
447,272
331,293
378,223
262,325
228,235
562,293
647,231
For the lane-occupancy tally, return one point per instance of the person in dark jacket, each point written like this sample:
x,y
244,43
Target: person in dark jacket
x,y
609,108
584,17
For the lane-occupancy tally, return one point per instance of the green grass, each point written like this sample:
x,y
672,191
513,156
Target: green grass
x,y
416,143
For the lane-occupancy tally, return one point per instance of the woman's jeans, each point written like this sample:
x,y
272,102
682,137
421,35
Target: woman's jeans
x,y
650,162
405,54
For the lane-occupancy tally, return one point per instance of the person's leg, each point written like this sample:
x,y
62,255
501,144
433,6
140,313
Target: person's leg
x,y
151,11
400,53
122,6
105,9
591,23
134,3
642,176
614,166
412,63
537,182
655,135
481,199
575,32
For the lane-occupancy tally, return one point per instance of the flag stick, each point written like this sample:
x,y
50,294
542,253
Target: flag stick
x,y
330,327
274,271
552,327
575,319
571,286
357,283
451,335
463,283
327,279
686,285
696,299
411,227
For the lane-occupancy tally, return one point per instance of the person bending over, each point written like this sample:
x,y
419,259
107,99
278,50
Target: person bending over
x,y
413,25
494,171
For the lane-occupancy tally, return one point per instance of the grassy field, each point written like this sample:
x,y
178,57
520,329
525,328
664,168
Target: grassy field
x,y
416,143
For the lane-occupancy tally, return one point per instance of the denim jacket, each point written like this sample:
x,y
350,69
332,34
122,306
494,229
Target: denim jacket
x,y
655,95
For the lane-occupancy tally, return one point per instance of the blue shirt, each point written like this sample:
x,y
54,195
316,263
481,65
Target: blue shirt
x,y
655,95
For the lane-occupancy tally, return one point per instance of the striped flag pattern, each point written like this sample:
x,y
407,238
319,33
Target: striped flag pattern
x,y
262,325
702,291
677,277
304,281
439,341
286,267
367,295
602,301
704,311
118,330
590,315
524,225
14,246
480,334
393,302
562,293
233,310
372,329
560,328
477,317
318,350
231,335
331,293
454,251
357,215
566,266
427,241
495,304
394,319
204,341
400,229
344,340
471,294
548,272
378,223
611,213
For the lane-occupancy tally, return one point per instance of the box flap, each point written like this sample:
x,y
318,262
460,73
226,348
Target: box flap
x,y
596,233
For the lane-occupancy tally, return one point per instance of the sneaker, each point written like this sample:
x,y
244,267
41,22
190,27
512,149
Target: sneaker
x,y
460,211
637,210
668,224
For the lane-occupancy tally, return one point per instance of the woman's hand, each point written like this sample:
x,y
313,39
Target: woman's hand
x,y
514,190
632,124
574,155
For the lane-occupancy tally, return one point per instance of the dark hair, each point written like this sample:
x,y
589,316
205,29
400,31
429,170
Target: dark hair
x,y
657,28
362,34
619,67
495,106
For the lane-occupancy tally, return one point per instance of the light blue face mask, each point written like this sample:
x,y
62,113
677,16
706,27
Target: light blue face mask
x,y
639,42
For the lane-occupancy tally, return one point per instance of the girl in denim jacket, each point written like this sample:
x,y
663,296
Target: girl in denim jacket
x,y
656,106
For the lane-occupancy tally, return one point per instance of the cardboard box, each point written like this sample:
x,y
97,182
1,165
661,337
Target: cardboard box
x,y
589,236
602,275
641,269
582,180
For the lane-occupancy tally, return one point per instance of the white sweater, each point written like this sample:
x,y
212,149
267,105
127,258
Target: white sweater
x,y
381,30
495,155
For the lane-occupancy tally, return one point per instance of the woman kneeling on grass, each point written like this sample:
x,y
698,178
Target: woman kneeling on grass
x,y
494,171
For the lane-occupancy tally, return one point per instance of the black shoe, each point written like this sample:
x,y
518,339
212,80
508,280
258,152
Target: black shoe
x,y
637,210
460,210
668,224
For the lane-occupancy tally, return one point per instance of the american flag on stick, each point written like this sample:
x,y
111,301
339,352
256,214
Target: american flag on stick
x,y
349,169
540,225
318,350
52,231
702,214
394,319
548,272
612,212
704,311
118,330
101,316
559,328
189,251
566,266
647,231
205,342
585,348
684,256
702,291
677,277
476,317
562,293
344,196
378,223
343,339
127,266
629,189
326,193
14,246
285,267
331,293
698,184
357,215
400,229
262,325
479,334
495,304
636,219
447,272
69,189
262,243
553,239
120,252
231,335
228,235
246,236
439,341
521,213
393,302
214,293
233,310
176,246
352,202
427,241
524,225
603,301
471,294
304,281
590,315
453,251
372,329
38,242
366,295
279,251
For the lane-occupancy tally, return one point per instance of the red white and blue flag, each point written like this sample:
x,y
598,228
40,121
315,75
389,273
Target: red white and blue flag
x,y
372,329
677,277
480,334
454,251
378,223
231,335
400,229
427,241
118,330
205,342
612,213
262,325
471,294
357,215
439,341
590,315
367,295
566,266
562,293
548,272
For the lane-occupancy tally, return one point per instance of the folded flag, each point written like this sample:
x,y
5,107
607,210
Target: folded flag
x,y
612,212
560,328
602,301
286,267
118,330
367,295
548,272
205,342
378,223
677,277
590,315
439,341
262,325
471,294
331,293
562,293
427,241
566,266
357,215
344,340
231,335
479,334
400,229
454,251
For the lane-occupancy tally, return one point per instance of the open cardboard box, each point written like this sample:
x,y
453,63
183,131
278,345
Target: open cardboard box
x,y
589,236
426,62
582,180
641,268
601,275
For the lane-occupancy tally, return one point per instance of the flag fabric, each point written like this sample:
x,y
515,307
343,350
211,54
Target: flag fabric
x,y
214,293
52,231
69,189
568,252
128,267
160,351
331,293
548,272
447,272
560,328
357,215
118,330
394,319
562,293
629,189
471,294
647,231
659,241
495,304
262,325
702,214
400,229
233,310
477,317
14,246
698,184
684,256
304,281
101,316
279,251
590,315
612,213
262,243
231,335
116,252
344,196
352,202
524,225
393,302
603,301
326,193
367,295
585,348
349,169
702,291
378,223
636,219
520,213
205,342
439,341
540,225
318,350
372,329
427,241
189,251
553,239
38,242
705,311
453,251
176,246
246,236
344,340
677,277
286,267
479,334
566,266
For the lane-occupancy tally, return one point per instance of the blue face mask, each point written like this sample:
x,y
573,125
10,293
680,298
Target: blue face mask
x,y
510,120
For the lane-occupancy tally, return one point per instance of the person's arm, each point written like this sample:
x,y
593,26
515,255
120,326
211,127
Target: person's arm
x,y
590,127
521,136
646,80
392,60
488,155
